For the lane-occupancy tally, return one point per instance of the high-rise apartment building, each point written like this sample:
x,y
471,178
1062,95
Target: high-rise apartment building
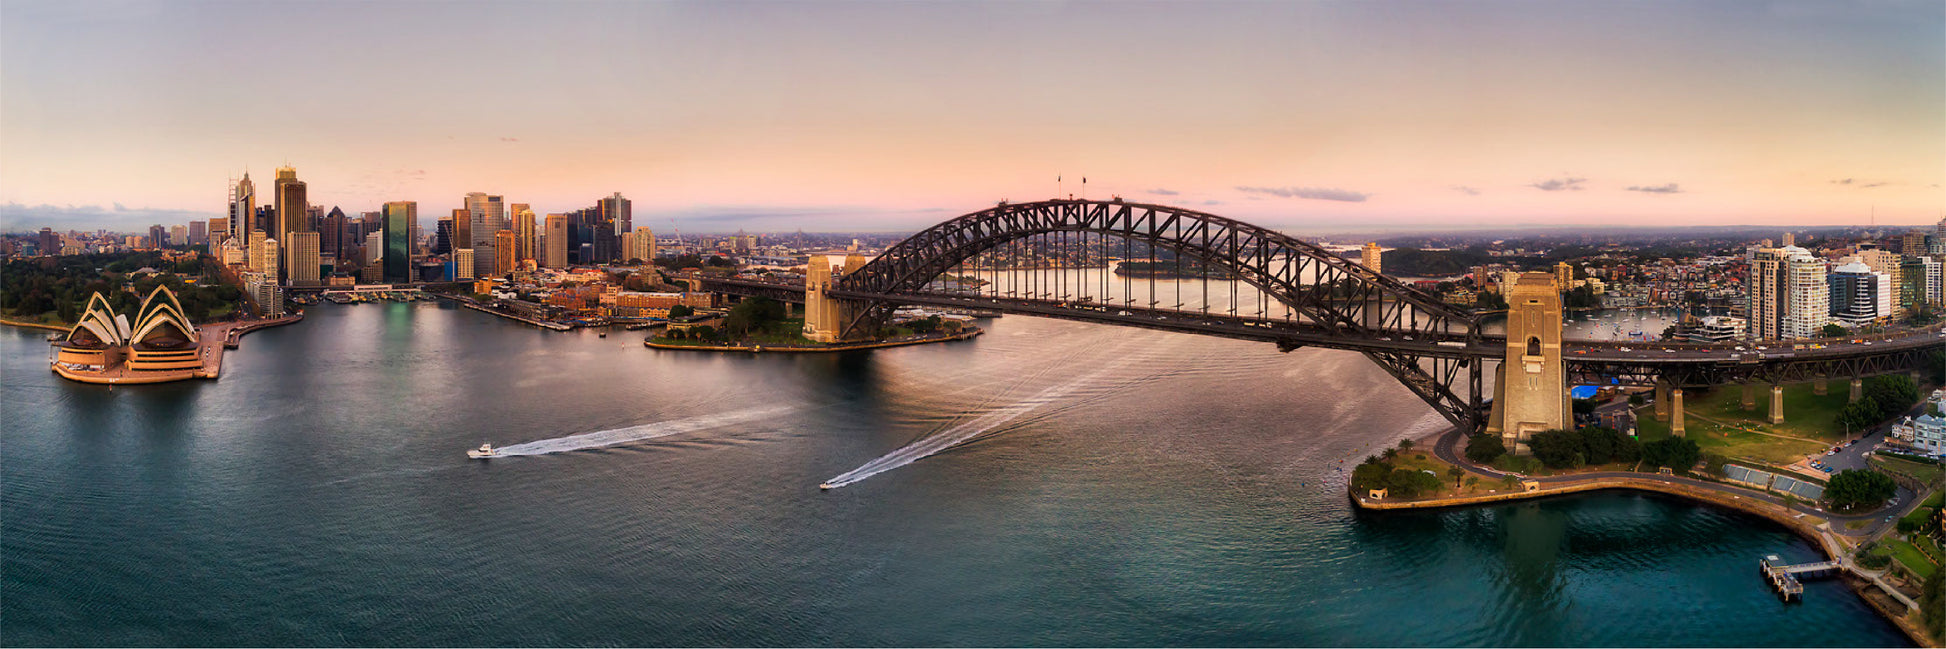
x,y
49,243
524,232
243,209
256,250
1372,257
397,228
302,249
487,215
1859,295
556,241
1881,261
639,244
1807,295
271,256
463,264
1919,281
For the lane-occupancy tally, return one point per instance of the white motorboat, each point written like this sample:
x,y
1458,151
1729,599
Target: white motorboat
x,y
825,486
485,451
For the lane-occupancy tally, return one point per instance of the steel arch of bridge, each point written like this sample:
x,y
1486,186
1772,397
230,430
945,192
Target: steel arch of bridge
x,y
1335,300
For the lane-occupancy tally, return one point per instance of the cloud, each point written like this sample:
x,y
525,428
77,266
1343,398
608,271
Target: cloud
x,y
1212,202
509,139
1469,191
17,217
1164,192
1860,183
1559,184
1314,193
1670,188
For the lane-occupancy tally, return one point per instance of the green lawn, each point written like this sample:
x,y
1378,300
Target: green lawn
x,y
1921,471
1913,559
1728,441
1806,415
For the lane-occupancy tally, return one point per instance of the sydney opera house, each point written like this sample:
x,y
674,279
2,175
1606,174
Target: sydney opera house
x,y
161,345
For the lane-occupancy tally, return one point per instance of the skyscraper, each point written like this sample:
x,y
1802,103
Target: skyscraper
x,y
618,212
291,210
504,249
270,256
397,229
302,249
219,229
1790,296
158,238
49,244
331,239
243,209
256,251
442,237
1373,257
179,235
462,229
487,214
198,232
523,232
556,241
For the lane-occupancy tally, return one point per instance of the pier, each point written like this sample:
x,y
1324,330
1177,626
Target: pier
x,y
1787,580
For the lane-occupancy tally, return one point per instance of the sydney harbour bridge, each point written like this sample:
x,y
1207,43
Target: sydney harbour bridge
x,y
1209,275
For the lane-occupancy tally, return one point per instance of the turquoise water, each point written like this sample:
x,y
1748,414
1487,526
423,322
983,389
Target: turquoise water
x,y
1121,487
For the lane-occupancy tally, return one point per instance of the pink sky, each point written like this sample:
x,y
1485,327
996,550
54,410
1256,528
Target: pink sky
x,y
891,116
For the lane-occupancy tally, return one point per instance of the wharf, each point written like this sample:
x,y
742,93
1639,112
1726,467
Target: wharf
x,y
1787,580
556,326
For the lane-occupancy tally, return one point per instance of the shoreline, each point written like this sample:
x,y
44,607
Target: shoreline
x,y
34,325
1818,534
964,335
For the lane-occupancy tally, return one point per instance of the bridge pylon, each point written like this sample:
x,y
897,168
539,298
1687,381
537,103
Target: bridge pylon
x,y
1531,394
825,317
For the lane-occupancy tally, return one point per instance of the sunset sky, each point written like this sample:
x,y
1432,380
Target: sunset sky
x,y
1320,116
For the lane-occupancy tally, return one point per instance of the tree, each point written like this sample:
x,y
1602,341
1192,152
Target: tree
x,y
1407,483
1834,330
1390,454
1371,474
1405,445
1636,400
1484,448
1677,453
1456,473
1558,449
1853,488
681,311
751,315
704,332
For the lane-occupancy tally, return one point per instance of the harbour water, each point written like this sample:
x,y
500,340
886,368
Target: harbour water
x,y
1109,487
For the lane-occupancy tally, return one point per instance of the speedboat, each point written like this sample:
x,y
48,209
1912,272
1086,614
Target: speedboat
x,y
824,486
485,451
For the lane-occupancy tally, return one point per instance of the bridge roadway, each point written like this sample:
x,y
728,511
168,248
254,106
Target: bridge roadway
x,y
1587,361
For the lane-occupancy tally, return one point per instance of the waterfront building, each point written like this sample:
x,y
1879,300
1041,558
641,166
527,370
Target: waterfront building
x,y
161,338
1859,295
243,210
262,287
505,252
486,214
305,261
556,242
1372,257
373,270
397,240
271,254
524,235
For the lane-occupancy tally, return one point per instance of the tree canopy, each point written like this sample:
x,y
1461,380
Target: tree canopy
x,y
1852,488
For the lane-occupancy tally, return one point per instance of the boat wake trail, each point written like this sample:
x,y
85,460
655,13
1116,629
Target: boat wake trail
x,y
630,434
967,430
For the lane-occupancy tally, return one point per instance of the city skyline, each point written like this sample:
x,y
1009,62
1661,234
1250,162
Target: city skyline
x,y
893,116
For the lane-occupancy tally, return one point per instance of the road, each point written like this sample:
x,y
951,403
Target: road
x,y
1447,450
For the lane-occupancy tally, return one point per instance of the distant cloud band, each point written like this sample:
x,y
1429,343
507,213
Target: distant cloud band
x,y
1670,188
1559,184
1314,193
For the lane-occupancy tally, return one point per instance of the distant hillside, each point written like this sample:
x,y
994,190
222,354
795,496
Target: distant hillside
x,y
1431,263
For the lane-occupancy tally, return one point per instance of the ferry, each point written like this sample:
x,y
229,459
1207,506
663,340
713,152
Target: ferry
x,y
485,451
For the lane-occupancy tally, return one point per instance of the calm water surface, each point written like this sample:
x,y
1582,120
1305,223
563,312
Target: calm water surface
x,y
1121,487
